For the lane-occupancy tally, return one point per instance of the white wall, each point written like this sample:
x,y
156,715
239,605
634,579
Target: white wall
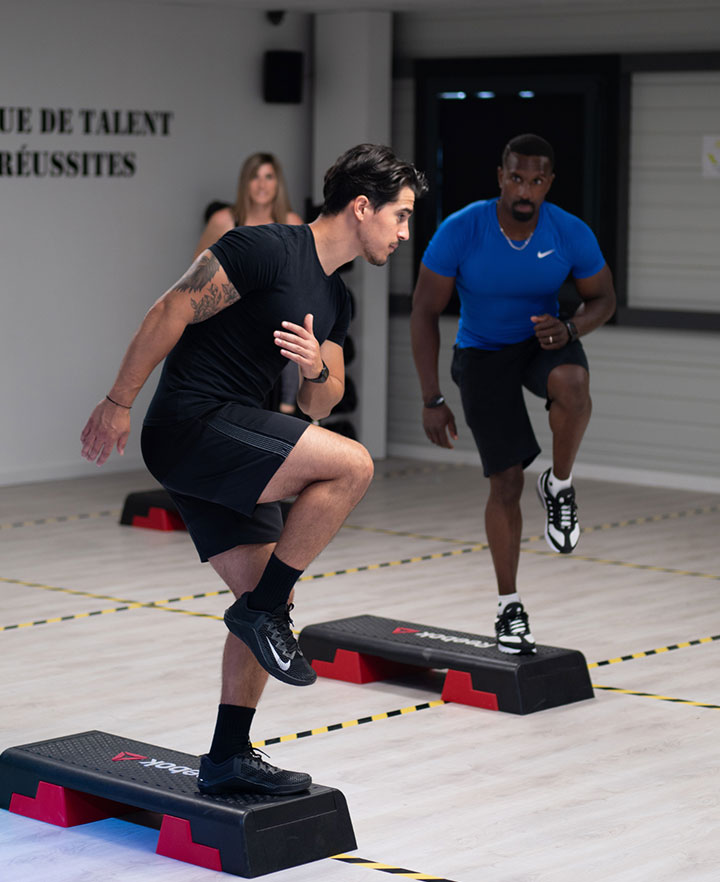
x,y
656,393
352,94
656,407
83,258
674,246
559,27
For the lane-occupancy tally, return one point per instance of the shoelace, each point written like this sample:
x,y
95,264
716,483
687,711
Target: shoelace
x,y
515,620
280,629
254,756
562,509
518,624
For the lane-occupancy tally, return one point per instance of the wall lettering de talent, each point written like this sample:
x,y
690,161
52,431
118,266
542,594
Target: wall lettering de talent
x,y
29,160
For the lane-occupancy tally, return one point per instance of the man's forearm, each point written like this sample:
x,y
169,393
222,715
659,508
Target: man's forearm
x,y
593,314
159,332
317,400
425,337
599,301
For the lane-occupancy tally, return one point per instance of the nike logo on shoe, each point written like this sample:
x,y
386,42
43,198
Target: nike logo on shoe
x,y
542,254
283,665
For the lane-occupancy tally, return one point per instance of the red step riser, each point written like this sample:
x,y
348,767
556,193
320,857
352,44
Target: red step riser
x,y
355,667
159,519
458,687
64,807
176,842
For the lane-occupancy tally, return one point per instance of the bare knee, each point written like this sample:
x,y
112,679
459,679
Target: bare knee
x,y
360,465
569,387
506,487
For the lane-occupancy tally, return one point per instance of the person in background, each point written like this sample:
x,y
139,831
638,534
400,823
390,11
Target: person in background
x,y
262,198
509,257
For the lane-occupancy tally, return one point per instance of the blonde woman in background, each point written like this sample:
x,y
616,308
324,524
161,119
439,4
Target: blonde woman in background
x,y
262,198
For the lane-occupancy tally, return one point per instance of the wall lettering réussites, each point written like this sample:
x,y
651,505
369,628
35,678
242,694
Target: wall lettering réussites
x,y
29,161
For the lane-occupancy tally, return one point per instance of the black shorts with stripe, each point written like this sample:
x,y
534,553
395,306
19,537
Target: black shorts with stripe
x,y
215,468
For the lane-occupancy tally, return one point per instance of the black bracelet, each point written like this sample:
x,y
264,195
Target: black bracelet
x,y
117,403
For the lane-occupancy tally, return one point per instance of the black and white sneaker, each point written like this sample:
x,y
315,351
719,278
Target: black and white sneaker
x,y
249,773
562,529
271,641
513,630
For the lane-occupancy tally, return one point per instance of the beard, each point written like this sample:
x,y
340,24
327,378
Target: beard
x,y
522,215
373,257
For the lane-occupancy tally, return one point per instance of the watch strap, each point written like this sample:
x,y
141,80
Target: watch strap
x,y
321,377
572,331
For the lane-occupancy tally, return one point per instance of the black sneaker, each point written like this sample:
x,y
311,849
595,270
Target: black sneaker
x,y
249,773
562,529
513,630
270,639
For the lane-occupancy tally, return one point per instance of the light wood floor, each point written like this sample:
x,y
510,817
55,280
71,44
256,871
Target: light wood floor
x,y
620,788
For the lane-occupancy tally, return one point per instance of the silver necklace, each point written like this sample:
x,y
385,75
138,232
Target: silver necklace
x,y
512,244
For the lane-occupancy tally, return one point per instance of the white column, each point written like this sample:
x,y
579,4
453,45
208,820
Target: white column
x,y
352,92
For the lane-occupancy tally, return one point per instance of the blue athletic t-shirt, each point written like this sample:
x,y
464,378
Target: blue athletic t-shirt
x,y
500,287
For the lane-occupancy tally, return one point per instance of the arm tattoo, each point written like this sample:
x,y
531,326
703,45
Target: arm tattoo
x,y
199,274
216,297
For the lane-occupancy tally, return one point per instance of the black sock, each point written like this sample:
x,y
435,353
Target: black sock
x,y
275,585
232,731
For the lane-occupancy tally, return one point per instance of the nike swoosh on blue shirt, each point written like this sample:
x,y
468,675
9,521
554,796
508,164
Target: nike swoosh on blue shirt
x,y
542,254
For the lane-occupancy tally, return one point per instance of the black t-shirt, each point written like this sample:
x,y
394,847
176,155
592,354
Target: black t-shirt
x,y
232,356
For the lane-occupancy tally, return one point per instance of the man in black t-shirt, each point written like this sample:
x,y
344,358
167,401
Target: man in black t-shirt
x,y
256,299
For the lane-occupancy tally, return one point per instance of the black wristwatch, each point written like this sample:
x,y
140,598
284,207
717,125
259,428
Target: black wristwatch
x,y
321,377
572,331
435,401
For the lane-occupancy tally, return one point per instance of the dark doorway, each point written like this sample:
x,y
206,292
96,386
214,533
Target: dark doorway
x,y
467,110
472,132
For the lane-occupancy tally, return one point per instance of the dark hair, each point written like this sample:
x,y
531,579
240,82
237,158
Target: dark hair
x,y
529,145
370,170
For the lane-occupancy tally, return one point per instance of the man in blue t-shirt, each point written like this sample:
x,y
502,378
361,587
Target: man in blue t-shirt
x,y
508,258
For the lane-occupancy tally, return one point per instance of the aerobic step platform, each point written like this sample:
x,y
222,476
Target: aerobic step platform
x,y
153,509
93,775
363,649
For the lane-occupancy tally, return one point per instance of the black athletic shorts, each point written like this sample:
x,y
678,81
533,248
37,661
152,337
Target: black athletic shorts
x,y
216,466
491,388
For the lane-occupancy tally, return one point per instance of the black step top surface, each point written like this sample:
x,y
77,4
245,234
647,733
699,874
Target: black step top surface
x,y
412,643
141,775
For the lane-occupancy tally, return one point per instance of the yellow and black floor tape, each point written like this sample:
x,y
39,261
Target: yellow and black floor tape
x,y
365,568
624,563
388,868
611,525
405,534
59,519
649,652
350,724
126,605
658,697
